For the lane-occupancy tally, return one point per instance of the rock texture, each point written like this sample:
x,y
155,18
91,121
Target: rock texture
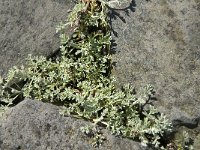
x,y
28,27
158,43
33,125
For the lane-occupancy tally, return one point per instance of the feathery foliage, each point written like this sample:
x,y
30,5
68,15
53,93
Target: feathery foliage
x,y
80,80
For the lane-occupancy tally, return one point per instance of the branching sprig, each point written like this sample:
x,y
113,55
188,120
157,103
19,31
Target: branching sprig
x,y
80,80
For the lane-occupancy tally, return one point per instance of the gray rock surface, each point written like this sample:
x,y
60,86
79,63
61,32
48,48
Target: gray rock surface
x,y
159,44
28,27
33,125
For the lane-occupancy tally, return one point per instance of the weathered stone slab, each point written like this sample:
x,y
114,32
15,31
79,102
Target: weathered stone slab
x,y
33,125
159,44
28,27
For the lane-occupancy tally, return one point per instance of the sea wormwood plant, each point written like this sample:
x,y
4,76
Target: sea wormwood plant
x,y
80,80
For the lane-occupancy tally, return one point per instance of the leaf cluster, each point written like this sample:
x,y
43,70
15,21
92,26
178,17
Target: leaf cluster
x,y
80,80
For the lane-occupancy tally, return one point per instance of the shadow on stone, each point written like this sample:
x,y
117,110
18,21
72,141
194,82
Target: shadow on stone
x,y
114,14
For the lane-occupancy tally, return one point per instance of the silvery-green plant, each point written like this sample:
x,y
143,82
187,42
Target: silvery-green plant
x,y
80,80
